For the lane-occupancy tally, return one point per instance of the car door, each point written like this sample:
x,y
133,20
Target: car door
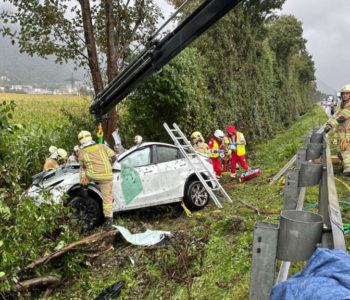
x,y
138,179
173,170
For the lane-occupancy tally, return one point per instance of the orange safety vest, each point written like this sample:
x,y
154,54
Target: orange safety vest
x,y
95,159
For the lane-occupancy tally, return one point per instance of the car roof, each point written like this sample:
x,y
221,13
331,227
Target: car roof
x,y
132,149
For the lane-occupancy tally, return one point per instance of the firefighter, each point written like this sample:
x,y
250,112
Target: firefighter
x,y
199,143
216,148
95,165
238,150
341,124
56,158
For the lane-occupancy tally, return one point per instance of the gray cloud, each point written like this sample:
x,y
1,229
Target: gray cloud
x,y
326,27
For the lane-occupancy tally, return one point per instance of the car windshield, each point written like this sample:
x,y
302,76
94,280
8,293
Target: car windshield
x,y
138,158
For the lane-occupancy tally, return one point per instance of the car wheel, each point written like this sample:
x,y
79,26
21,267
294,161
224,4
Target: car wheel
x,y
88,212
196,196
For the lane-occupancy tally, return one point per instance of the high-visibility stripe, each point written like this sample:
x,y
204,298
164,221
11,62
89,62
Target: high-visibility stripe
x,y
345,112
346,160
342,135
100,176
105,162
334,122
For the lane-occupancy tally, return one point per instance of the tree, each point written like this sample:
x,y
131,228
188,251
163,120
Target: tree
x,y
100,36
178,94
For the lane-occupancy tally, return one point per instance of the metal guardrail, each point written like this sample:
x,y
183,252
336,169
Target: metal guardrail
x,y
299,232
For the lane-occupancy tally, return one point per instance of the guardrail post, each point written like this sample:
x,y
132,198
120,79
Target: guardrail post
x,y
263,260
291,189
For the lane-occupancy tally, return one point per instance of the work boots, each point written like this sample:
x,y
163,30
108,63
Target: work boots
x,y
107,225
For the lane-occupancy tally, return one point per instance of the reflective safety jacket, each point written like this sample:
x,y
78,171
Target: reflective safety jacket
x,y
50,164
342,130
239,138
95,161
214,147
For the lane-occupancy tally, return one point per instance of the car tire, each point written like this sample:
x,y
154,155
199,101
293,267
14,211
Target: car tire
x,y
196,196
88,211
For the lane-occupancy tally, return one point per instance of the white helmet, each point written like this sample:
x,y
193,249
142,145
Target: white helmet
x,y
76,148
219,134
138,139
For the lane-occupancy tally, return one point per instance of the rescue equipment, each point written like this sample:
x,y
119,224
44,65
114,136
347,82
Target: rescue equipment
x,y
249,174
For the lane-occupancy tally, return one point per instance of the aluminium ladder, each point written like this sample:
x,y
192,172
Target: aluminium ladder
x,y
186,145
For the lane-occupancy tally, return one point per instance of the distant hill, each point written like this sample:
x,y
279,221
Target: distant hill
x,y
325,88
21,68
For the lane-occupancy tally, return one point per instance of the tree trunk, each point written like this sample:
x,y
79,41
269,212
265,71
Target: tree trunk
x,y
91,46
112,122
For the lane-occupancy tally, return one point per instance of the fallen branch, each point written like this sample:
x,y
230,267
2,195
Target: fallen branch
x,y
90,239
36,282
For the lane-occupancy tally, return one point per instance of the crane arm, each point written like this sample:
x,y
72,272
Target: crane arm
x,y
158,53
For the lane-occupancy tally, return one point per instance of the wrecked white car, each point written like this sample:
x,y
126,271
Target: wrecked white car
x,y
148,175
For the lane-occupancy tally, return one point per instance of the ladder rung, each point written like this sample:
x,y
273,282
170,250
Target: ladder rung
x,y
207,180
173,130
179,137
215,189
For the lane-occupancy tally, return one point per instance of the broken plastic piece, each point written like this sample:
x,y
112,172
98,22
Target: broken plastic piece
x,y
149,237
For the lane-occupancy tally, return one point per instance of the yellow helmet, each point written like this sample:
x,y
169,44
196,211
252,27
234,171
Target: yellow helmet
x,y
197,135
345,89
84,136
61,153
52,149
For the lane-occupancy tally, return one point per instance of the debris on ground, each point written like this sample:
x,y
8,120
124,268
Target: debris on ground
x,y
149,237
111,292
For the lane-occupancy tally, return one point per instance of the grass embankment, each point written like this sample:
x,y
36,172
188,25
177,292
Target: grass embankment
x,y
211,253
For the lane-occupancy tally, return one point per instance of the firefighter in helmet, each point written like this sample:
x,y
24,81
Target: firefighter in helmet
x,y
216,148
341,125
95,165
56,158
199,143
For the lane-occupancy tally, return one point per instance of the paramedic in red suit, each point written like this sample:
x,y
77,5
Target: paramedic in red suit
x,y
216,148
238,140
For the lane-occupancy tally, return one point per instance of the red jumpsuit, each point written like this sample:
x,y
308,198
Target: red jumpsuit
x,y
235,158
215,145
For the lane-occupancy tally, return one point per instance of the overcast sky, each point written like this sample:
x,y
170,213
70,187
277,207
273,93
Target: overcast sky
x,y
326,25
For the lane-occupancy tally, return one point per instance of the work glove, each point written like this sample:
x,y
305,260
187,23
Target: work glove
x,y
84,180
341,119
220,151
234,143
327,128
